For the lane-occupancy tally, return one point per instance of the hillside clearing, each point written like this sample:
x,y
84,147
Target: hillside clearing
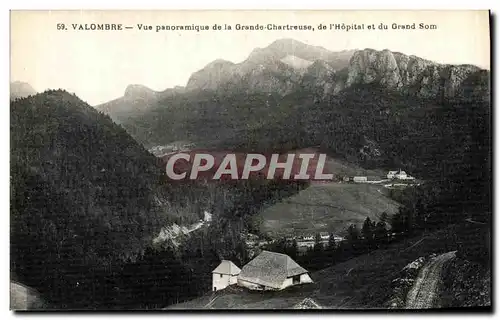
x,y
329,207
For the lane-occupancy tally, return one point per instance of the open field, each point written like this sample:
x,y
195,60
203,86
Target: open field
x,y
326,207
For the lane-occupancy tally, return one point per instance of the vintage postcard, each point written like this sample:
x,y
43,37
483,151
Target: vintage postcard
x,y
250,160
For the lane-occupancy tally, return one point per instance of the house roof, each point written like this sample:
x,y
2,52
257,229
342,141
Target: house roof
x,y
270,269
227,267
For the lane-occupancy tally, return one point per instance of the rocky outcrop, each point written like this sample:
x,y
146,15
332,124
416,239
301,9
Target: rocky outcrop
x,y
307,303
137,91
407,74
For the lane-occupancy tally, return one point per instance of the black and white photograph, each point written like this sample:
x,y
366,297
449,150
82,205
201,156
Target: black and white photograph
x,y
250,160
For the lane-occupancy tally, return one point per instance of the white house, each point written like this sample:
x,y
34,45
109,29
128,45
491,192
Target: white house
x,y
272,271
225,275
391,174
404,176
401,175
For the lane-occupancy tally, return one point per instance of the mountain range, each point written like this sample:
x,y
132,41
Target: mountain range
x,y
287,65
369,107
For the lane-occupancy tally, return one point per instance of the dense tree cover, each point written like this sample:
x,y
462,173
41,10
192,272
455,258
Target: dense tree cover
x,y
85,197
373,235
87,200
166,274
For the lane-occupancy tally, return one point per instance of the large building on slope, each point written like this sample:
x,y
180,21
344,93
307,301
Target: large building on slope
x,y
272,271
268,271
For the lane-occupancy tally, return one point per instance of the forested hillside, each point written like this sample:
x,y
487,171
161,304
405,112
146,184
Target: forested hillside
x,y
365,124
87,201
85,197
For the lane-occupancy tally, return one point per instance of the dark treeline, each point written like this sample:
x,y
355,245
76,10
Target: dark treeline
x,y
166,274
373,235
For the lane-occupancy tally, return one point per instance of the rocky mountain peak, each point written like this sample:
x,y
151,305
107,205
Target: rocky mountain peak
x,y
266,68
219,63
289,47
138,91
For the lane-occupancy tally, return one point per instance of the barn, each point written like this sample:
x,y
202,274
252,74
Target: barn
x,y
272,271
224,275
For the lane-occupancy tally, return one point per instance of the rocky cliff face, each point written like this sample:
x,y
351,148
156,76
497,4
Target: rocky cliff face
x,y
287,65
407,74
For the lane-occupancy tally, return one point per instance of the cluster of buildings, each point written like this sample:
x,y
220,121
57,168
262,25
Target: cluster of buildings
x,y
391,175
401,175
268,271
323,235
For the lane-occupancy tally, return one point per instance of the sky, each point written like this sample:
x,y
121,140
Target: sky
x,y
99,65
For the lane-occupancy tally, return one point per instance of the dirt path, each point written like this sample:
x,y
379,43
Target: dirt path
x,y
423,294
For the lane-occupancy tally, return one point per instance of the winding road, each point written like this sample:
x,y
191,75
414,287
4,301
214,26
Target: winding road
x,y
424,293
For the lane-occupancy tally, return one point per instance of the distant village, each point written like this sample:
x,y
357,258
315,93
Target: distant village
x,y
304,242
